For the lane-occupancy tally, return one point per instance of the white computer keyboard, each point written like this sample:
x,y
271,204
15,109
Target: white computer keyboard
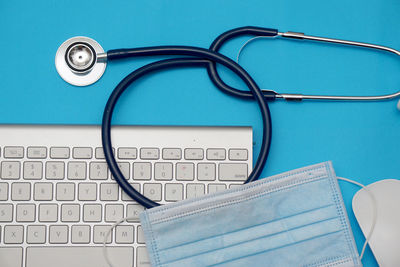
x,y
58,199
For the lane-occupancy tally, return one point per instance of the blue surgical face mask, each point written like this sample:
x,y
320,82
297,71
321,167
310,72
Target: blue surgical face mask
x,y
292,219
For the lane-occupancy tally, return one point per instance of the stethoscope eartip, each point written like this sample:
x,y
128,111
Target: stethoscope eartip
x,y
398,105
80,61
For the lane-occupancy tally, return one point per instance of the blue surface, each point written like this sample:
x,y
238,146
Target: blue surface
x,y
362,139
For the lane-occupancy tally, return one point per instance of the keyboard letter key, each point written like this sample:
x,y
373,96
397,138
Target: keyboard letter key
x,y
3,191
6,212
13,234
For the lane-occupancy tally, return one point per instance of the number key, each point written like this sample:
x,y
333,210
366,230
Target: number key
x,y
10,170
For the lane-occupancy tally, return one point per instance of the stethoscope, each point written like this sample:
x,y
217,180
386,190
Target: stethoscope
x,y
82,61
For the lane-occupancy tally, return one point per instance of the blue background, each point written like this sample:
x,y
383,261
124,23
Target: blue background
x,y
362,139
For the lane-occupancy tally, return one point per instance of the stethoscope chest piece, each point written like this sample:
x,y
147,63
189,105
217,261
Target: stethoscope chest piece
x,y
80,61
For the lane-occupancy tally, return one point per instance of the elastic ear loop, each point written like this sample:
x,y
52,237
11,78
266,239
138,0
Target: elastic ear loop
x,y
368,237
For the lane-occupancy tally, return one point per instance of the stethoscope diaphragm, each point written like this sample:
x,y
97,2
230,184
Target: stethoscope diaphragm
x,y
80,61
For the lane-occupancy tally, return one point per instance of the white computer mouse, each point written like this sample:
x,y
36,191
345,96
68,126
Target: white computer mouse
x,y
385,240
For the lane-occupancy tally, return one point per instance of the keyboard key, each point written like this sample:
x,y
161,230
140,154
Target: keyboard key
x,y
36,234
125,169
37,152
149,153
124,234
114,212
173,192
140,235
133,211
21,191
185,171
58,234
213,188
59,152
13,234
26,212
216,154
125,197
100,232
232,171
11,256
92,213
109,191
82,256
10,170
172,153
152,191
33,170
55,170
194,153
82,152
87,191
80,234
70,212
98,171
48,212
3,191
194,190
127,153
142,171
163,171
65,191
76,170
6,212
13,152
206,171
238,154
99,153
142,257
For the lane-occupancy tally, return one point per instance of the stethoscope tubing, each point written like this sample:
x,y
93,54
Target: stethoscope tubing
x,y
203,58
209,58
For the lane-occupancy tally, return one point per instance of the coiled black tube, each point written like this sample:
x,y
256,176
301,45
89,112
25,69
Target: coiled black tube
x,y
204,56
196,57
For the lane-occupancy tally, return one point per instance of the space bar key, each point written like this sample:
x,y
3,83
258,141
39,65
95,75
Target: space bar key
x,y
77,256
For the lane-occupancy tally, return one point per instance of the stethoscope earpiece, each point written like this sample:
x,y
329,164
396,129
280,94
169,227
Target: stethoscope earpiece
x,y
80,61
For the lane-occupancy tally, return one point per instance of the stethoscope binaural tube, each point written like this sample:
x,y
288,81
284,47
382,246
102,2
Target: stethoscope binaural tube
x,y
272,95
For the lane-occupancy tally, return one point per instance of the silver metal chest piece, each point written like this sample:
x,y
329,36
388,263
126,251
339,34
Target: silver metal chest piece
x,y
80,61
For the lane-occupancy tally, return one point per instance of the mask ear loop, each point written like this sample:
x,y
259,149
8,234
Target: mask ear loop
x,y
108,234
374,216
